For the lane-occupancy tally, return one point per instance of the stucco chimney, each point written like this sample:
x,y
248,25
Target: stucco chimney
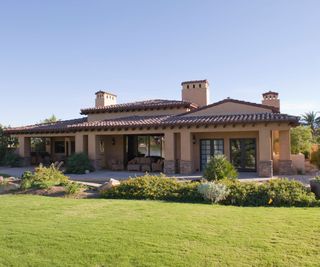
x,y
196,92
105,99
271,99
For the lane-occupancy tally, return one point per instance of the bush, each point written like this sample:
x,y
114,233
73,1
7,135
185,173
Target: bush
x,y
44,177
154,187
78,163
73,188
11,159
219,168
213,192
301,140
279,192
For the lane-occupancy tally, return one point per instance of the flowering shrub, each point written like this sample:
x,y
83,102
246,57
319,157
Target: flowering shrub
x,y
219,168
154,187
213,192
278,192
44,177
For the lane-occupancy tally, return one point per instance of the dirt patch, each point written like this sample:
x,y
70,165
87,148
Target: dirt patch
x,y
60,191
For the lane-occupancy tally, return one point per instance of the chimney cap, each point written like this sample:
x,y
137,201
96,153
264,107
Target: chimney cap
x,y
104,92
195,81
270,93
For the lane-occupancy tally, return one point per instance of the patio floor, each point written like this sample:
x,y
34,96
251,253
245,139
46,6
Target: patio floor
x,y
103,176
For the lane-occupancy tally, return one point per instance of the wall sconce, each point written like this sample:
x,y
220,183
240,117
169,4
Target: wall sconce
x,y
194,139
113,141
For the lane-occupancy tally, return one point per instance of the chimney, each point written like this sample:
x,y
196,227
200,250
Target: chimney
x,y
196,92
271,99
105,99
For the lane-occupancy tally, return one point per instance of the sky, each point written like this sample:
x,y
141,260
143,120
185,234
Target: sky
x,y
54,55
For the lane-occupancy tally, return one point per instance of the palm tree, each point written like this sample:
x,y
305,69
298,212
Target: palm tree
x,y
311,119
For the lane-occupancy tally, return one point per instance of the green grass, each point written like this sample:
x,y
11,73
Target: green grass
x,y
43,231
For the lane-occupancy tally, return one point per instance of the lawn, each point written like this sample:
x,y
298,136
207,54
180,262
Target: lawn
x,y
43,231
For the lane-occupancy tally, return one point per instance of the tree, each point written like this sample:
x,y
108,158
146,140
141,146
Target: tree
x,y
7,144
311,119
301,140
51,119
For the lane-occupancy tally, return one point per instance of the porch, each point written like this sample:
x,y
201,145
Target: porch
x,y
262,149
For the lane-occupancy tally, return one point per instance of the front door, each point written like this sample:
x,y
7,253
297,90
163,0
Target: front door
x,y
209,148
243,154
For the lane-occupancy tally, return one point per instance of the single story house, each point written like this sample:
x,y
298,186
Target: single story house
x,y
173,136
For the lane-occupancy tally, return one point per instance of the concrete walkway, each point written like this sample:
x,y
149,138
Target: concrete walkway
x,y
103,176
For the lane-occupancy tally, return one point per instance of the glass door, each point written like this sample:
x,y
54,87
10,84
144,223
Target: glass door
x,y
209,148
243,154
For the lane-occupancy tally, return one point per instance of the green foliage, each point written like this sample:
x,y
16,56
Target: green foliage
x,y
73,188
278,192
213,192
301,140
7,145
51,119
154,187
219,168
315,158
312,120
78,163
44,177
11,159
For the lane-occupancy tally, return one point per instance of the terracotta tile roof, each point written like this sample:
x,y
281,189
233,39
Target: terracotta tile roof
x,y
270,92
195,81
45,127
153,121
140,105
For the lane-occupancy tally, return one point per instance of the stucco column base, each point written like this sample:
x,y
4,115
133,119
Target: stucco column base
x,y
169,167
285,167
265,168
185,167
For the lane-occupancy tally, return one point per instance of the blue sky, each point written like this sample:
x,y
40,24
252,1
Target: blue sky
x,y
54,55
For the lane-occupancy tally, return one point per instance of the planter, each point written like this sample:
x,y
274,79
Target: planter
x,y
315,187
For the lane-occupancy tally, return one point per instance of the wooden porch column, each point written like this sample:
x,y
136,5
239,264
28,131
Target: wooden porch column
x,y
285,162
186,153
169,147
265,166
24,149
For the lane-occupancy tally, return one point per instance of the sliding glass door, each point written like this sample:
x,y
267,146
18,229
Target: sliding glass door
x,y
243,154
209,148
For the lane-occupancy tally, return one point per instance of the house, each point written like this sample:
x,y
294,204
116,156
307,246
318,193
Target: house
x,y
173,136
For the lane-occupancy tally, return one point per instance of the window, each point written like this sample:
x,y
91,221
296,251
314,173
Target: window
x,y
188,86
59,147
199,85
209,148
193,86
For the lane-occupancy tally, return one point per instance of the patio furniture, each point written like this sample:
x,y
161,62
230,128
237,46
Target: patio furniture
x,y
133,165
157,166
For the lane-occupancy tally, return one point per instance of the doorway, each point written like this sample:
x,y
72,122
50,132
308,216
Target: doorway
x,y
243,154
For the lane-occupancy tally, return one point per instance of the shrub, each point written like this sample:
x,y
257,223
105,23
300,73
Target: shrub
x,y
11,159
213,192
44,177
154,187
78,163
301,140
73,188
279,192
219,168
